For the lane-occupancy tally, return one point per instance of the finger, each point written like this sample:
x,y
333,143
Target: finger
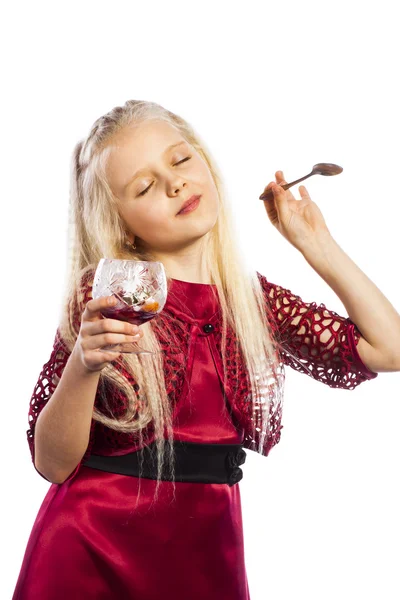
x,y
303,192
280,178
280,199
111,326
94,307
268,189
94,342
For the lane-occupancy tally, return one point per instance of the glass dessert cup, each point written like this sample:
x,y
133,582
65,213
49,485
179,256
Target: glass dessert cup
x,y
140,288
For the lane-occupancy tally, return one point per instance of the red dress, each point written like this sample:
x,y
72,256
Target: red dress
x,y
90,541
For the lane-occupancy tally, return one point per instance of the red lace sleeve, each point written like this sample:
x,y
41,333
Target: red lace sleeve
x,y
314,340
50,376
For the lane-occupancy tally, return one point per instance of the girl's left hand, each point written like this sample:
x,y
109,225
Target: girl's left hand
x,y
299,221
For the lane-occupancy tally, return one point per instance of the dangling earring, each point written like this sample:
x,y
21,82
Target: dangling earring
x,y
130,245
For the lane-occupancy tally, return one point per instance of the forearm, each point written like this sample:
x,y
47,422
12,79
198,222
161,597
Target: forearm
x,y
63,427
375,317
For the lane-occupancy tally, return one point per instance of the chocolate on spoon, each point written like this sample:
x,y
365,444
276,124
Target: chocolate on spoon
x,y
318,169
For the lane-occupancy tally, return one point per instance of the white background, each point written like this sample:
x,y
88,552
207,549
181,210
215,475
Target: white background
x,y
268,87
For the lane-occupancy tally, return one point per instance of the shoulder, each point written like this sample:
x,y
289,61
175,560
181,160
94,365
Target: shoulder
x,y
85,282
266,285
273,291
262,279
81,293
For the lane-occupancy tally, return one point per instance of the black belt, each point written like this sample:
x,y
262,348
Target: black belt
x,y
195,463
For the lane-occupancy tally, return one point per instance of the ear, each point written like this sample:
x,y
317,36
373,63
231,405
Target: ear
x,y
129,237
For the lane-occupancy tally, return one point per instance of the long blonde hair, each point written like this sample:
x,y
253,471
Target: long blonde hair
x,y
96,230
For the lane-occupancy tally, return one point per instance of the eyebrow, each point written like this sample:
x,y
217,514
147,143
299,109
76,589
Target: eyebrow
x,y
145,169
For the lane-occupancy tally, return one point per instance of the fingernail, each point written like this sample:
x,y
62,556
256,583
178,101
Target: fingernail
x,y
111,300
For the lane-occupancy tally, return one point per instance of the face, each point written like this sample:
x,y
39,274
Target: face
x,y
152,181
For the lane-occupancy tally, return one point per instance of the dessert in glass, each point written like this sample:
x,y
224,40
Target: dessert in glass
x,y
140,288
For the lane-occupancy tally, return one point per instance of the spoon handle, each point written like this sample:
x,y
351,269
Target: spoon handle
x,y
269,194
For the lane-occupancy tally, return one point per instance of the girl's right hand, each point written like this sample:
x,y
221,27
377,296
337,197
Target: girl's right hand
x,y
96,332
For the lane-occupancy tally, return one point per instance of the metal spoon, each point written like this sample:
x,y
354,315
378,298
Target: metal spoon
x,y
318,169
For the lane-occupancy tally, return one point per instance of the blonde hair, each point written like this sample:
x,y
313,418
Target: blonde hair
x,y
96,230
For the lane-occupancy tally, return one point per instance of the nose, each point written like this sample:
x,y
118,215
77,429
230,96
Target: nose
x,y
176,186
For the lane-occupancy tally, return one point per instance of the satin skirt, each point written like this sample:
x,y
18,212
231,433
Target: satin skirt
x,y
99,537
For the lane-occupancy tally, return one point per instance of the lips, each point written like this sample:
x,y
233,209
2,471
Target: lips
x,y
189,202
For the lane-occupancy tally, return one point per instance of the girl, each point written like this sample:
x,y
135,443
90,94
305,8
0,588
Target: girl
x,y
144,451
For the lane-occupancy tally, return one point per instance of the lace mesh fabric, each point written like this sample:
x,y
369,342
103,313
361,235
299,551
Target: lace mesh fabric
x,y
172,334
53,369
313,340
45,386
316,341
242,400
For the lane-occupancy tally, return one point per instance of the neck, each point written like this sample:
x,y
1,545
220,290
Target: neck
x,y
186,265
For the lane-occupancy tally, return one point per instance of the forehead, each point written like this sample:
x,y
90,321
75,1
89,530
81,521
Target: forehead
x,y
137,147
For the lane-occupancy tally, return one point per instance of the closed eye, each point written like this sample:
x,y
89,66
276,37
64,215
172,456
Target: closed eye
x,y
178,163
